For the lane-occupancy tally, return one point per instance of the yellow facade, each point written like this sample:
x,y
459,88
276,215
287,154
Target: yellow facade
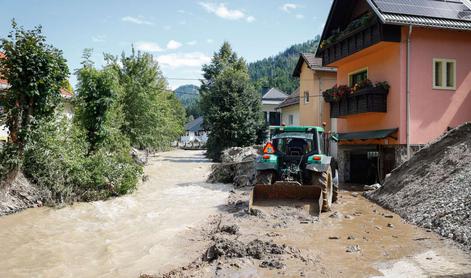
x,y
313,110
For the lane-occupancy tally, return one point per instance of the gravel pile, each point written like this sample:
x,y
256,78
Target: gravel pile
x,y
433,188
237,167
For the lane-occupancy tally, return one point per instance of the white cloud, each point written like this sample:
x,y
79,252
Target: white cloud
x,y
137,20
172,44
209,40
148,47
299,16
99,38
177,60
192,42
288,7
222,11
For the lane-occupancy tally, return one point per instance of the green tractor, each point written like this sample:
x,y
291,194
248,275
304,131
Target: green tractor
x,y
296,166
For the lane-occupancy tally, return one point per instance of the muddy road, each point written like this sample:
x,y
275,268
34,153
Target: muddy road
x,y
122,237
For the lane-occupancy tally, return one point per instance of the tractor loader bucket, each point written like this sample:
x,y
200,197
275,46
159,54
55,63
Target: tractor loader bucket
x,y
287,194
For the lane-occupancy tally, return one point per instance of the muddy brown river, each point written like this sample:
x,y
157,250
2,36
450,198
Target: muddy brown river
x,y
122,237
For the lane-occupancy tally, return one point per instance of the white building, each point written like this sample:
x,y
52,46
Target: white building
x,y
271,99
289,109
194,132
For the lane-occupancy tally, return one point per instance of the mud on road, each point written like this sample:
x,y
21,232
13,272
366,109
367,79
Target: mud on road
x,y
357,239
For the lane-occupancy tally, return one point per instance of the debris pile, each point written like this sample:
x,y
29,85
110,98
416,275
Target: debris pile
x,y
237,166
433,188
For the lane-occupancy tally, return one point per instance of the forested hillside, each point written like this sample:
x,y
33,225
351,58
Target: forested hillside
x,y
276,71
189,97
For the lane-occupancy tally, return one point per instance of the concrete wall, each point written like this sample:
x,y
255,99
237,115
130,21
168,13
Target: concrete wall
x,y
290,110
383,62
434,110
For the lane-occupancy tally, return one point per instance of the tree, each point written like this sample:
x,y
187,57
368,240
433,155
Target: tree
x,y
97,95
152,115
231,107
35,72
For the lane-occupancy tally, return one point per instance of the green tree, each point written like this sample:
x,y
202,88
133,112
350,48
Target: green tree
x,y
231,107
277,71
97,96
35,71
152,115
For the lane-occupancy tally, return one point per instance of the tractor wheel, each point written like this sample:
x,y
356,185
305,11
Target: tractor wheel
x,y
324,181
265,177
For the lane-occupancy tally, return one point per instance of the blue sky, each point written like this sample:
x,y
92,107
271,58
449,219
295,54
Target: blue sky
x,y
181,34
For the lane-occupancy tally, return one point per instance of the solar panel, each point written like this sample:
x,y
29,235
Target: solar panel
x,y
455,10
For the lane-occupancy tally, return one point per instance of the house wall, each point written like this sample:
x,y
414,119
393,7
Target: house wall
x,y
314,83
434,110
383,62
290,110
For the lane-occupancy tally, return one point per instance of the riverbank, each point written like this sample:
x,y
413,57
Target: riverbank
x,y
20,195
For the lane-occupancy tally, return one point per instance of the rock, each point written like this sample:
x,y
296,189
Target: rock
x,y
230,229
350,237
390,225
353,248
354,194
348,217
334,237
372,187
388,216
335,215
378,228
237,166
272,264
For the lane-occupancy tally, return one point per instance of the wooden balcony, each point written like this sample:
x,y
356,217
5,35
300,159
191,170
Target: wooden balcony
x,y
360,39
363,101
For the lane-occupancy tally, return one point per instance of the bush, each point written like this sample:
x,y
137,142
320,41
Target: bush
x,y
56,159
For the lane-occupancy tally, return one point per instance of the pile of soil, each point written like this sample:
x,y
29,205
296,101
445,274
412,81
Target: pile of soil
x,y
237,167
433,188
19,195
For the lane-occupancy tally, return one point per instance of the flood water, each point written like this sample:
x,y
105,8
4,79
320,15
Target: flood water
x,y
122,237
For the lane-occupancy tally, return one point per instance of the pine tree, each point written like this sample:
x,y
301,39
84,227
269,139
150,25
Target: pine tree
x,y
231,107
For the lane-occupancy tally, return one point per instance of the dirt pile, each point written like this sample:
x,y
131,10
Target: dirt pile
x,y
433,188
237,166
19,195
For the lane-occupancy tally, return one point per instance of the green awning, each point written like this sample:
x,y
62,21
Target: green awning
x,y
365,135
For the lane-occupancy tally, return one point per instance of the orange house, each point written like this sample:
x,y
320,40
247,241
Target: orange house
x,y
417,55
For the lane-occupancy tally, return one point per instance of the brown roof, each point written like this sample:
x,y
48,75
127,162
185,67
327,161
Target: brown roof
x,y
312,62
293,99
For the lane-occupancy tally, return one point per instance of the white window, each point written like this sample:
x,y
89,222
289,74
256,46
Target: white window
x,y
291,119
444,74
306,97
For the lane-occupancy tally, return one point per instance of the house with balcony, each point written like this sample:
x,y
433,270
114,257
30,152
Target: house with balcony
x,y
271,98
195,134
403,78
289,109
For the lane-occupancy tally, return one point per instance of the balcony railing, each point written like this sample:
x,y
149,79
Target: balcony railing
x,y
363,101
359,39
